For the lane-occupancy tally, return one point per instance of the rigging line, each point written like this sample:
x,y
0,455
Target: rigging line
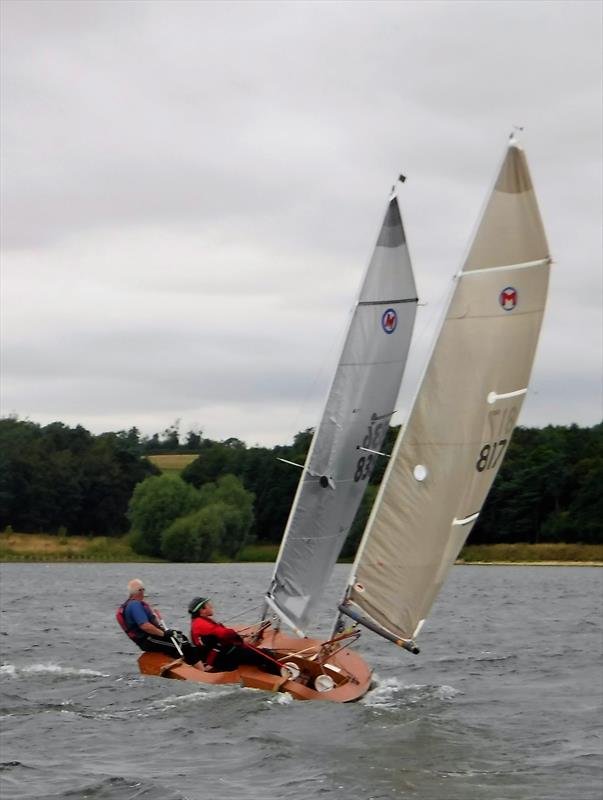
x,y
385,416
495,315
313,538
376,452
388,302
293,463
246,610
325,363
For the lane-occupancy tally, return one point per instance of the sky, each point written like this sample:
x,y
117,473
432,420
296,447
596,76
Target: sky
x,y
191,192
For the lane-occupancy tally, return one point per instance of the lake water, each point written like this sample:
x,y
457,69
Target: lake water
x,y
504,702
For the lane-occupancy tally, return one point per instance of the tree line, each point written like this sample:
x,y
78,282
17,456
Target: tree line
x,y
59,478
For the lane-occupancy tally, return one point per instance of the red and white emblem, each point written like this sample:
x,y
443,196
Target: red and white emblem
x,y
508,298
389,320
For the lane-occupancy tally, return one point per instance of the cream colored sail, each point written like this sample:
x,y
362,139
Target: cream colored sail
x,y
464,414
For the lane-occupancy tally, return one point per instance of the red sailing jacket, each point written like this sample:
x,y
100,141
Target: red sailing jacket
x,y
205,631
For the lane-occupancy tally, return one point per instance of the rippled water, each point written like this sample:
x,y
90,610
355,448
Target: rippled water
x,y
504,702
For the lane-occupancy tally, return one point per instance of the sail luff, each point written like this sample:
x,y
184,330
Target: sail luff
x,y
357,411
464,412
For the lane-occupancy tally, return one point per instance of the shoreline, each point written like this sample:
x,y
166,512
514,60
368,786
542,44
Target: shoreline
x,y
27,559
462,563
48,548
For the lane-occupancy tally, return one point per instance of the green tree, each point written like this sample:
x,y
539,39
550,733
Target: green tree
x,y
57,476
155,504
236,505
194,537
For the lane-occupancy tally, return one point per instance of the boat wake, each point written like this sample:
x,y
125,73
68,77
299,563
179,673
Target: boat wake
x,y
11,670
393,694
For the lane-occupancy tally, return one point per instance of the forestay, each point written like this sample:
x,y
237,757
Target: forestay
x,y
462,419
358,410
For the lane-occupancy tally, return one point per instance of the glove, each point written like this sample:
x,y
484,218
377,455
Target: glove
x,y
169,634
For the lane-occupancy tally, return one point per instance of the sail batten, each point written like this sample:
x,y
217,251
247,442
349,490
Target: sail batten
x,y
463,415
466,520
542,262
364,388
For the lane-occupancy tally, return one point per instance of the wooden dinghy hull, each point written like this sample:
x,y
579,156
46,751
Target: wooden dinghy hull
x,y
349,672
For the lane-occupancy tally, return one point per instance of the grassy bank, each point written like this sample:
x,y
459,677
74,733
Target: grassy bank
x,y
42,547
524,553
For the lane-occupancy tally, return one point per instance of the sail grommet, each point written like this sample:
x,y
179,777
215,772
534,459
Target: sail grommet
x,y
324,481
420,472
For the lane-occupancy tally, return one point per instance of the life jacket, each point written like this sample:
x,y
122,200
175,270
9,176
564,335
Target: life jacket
x,y
120,616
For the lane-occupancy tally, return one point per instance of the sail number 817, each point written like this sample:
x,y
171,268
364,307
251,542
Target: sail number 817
x,y
489,455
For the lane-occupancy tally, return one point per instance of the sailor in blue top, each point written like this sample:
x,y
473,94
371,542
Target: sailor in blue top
x,y
141,624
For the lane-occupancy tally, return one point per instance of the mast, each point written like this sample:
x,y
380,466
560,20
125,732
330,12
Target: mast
x,y
465,410
357,412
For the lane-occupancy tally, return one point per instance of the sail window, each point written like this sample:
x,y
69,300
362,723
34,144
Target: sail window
x,y
420,472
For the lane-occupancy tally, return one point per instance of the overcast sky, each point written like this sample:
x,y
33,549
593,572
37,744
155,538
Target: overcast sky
x,y
191,192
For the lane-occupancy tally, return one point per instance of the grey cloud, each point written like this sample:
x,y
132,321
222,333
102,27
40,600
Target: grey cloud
x,y
191,190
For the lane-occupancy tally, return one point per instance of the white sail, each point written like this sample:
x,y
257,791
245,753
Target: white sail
x,y
357,414
458,431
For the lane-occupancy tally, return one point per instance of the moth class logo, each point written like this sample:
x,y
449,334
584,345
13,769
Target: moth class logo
x,y
508,298
389,320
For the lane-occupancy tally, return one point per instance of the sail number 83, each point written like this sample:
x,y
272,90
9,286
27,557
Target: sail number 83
x,y
372,440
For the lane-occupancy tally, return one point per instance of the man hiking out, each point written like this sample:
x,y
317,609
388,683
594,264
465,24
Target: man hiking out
x,y
141,623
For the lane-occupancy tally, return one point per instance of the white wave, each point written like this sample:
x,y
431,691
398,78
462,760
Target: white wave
x,y
281,699
392,693
192,696
211,693
55,669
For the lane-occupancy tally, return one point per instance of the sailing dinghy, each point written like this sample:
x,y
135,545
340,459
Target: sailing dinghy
x,y
443,463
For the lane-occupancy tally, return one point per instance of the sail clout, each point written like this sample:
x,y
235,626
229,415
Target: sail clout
x,y
357,414
466,408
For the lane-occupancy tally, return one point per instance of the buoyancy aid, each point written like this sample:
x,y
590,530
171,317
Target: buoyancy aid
x,y
120,616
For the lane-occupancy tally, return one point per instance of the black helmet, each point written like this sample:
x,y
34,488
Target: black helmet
x,y
196,604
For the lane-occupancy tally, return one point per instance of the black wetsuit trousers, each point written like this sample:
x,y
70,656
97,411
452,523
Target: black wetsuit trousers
x,y
231,658
153,644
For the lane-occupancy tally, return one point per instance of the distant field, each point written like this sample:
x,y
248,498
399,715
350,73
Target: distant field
x,y
522,552
46,547
259,552
173,464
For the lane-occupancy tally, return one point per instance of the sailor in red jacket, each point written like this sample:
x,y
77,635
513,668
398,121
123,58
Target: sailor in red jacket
x,y
226,648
